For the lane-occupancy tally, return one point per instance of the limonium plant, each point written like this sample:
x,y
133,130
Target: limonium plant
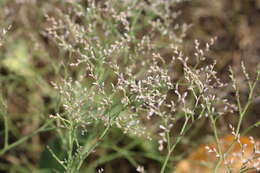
x,y
125,66
125,80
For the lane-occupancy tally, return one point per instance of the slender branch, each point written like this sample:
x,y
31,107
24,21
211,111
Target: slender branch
x,y
20,141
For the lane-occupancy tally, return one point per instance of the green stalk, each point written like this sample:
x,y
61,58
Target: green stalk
x,y
90,150
22,140
6,130
183,130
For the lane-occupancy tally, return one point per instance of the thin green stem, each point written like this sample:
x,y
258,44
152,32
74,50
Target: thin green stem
x,y
56,158
3,112
169,154
243,112
70,148
20,141
183,130
165,162
90,150
6,130
213,123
